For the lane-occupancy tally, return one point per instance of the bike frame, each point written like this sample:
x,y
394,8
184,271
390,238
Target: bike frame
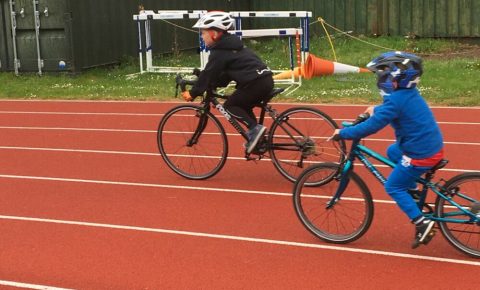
x,y
211,98
361,153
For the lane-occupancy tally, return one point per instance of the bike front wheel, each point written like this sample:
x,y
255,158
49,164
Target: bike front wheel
x,y
192,142
298,139
341,220
464,233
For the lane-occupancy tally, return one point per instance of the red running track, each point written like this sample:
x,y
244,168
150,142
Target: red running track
x,y
87,203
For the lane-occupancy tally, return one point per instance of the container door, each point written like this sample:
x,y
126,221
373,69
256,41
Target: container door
x,y
53,36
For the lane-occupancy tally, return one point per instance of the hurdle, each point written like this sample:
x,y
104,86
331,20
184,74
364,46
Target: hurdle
x,y
280,32
301,37
146,16
304,17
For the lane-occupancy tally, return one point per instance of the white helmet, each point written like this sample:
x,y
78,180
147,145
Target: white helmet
x,y
215,19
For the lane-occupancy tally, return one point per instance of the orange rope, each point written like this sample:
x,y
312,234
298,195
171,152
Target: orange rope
x,y
297,42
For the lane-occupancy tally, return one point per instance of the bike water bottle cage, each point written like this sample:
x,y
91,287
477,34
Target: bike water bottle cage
x,y
396,70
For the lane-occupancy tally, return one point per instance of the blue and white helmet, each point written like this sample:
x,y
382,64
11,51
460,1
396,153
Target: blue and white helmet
x,y
395,66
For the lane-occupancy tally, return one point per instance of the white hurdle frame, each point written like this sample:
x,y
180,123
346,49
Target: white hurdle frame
x,y
147,16
304,25
289,32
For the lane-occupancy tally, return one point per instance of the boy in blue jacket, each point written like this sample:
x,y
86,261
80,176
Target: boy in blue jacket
x,y
419,142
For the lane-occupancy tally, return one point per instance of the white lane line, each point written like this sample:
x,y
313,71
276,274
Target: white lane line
x,y
122,183
79,113
29,286
161,114
158,154
154,131
78,129
82,151
196,188
182,103
444,142
183,187
244,239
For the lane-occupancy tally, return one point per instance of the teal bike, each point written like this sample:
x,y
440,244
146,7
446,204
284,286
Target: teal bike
x,y
340,209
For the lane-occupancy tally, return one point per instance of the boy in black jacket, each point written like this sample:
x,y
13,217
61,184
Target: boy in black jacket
x,y
230,60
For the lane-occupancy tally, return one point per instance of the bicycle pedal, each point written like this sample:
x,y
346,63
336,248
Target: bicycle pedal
x,y
256,158
426,240
429,237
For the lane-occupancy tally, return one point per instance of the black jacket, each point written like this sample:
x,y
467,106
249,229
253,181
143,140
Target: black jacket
x,y
229,60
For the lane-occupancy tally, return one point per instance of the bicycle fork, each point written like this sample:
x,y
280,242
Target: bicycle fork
x,y
202,124
344,181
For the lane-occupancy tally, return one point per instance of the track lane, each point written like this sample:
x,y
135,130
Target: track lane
x,y
104,204
194,206
117,259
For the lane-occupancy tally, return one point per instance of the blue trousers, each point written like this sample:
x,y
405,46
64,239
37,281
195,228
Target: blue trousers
x,y
401,179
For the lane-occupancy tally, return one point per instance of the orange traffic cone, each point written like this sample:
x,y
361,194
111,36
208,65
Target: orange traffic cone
x,y
288,74
315,66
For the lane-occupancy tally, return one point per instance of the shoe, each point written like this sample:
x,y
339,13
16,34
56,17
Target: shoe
x,y
423,232
261,147
253,136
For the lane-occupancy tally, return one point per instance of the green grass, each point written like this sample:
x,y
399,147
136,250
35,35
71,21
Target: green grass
x,y
450,78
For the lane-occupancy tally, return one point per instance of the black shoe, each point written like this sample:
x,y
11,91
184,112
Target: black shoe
x,y
423,232
261,147
253,136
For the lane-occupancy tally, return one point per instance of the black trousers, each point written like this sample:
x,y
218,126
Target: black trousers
x,y
240,104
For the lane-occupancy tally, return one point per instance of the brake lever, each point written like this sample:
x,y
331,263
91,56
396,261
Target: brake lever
x,y
180,82
361,118
196,72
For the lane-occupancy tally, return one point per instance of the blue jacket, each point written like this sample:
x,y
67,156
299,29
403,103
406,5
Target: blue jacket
x,y
416,130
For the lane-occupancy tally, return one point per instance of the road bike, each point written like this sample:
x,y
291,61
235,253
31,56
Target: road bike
x,y
193,142
340,210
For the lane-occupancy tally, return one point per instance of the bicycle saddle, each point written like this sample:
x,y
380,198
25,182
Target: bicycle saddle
x,y
442,163
272,94
275,92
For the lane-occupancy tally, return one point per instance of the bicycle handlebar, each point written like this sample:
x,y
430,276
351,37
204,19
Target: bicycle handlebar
x,y
360,118
182,83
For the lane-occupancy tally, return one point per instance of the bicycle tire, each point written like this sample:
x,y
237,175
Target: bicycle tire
x,y
465,237
197,161
344,222
310,129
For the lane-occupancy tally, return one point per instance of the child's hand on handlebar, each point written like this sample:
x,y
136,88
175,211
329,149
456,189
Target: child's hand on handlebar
x,y
370,110
335,136
187,97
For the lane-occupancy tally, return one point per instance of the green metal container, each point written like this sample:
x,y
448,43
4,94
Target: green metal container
x,y
3,38
89,33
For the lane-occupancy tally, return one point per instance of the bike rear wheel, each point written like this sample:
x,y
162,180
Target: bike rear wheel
x,y
343,222
192,142
464,189
298,139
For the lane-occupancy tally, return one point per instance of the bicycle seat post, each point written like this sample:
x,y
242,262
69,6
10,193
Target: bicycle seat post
x,y
263,109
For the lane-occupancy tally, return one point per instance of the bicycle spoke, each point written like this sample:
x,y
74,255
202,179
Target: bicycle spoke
x,y
200,160
347,220
299,139
465,191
